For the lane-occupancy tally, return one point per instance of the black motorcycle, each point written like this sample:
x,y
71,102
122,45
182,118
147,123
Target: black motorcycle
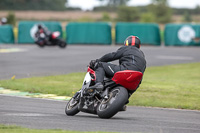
x,y
43,37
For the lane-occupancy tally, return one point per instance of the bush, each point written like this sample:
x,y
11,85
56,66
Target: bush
x,y
11,18
128,14
148,17
161,12
106,17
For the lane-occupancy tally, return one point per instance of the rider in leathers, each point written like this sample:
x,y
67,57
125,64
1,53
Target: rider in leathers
x,y
130,58
42,30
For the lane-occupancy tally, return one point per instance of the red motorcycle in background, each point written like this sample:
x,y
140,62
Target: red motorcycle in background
x,y
43,37
108,102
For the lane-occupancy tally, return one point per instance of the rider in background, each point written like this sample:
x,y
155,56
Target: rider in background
x,y
3,21
42,29
130,58
42,32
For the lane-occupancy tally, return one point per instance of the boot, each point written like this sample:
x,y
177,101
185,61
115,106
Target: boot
x,y
98,86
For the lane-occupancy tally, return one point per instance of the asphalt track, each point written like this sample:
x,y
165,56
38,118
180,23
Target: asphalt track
x,y
48,114
29,60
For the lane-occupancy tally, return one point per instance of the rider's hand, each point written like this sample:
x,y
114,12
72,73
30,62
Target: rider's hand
x,y
94,63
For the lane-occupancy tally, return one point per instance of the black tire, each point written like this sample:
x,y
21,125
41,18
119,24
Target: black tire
x,y
62,43
118,96
72,107
41,45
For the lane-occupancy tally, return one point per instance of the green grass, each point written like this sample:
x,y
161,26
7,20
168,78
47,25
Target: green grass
x,y
174,86
162,36
62,85
17,129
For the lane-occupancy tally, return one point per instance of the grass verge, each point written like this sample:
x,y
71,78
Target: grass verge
x,y
173,86
17,129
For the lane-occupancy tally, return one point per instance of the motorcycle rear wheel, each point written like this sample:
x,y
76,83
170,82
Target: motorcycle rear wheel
x,y
118,96
71,108
62,43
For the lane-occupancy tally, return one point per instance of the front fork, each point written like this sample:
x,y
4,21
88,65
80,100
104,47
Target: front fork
x,y
76,95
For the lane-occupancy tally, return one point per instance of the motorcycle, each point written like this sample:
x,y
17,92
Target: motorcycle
x,y
110,100
43,37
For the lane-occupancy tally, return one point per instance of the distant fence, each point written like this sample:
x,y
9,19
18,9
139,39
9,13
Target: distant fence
x,y
148,33
100,33
6,34
24,28
89,33
182,35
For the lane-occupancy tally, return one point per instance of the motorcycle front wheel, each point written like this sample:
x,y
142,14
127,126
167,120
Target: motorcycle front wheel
x,y
118,96
41,45
72,107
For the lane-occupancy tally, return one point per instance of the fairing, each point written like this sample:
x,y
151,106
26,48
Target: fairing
x,y
128,78
55,34
92,72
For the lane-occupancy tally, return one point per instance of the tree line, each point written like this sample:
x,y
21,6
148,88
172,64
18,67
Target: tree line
x,y
158,11
56,5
